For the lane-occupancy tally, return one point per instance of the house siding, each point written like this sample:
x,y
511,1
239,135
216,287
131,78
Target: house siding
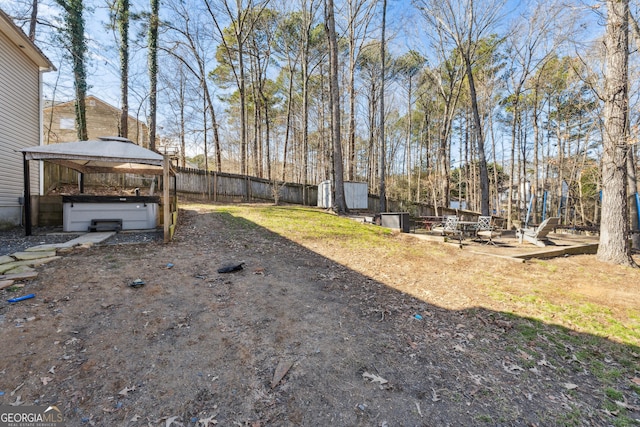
x,y
19,126
102,120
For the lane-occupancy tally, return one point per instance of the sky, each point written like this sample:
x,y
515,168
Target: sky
x,y
405,31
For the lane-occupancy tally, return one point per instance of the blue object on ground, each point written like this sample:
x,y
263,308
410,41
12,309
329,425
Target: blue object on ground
x,y
417,316
18,299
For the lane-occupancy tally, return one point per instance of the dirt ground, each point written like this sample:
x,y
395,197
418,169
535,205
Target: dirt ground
x,y
314,335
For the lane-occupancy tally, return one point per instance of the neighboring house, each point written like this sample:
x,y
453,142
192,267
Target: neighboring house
x,y
103,119
21,68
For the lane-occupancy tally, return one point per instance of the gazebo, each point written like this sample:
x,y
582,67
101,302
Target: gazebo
x,y
106,155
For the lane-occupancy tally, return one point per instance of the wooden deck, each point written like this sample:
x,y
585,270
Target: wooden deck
x,y
507,246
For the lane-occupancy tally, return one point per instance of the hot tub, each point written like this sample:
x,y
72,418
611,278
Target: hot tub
x,y
136,212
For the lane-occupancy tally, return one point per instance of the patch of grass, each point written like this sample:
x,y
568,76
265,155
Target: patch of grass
x,y
586,317
529,332
552,268
484,418
575,417
603,372
529,293
624,421
614,394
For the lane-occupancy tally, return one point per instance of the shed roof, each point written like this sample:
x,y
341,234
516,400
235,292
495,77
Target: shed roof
x,y
107,155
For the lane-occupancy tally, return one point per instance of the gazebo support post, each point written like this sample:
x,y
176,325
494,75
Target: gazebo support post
x,y
166,183
27,195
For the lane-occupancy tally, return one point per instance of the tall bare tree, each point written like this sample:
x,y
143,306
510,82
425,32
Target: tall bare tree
x,y
409,65
466,23
122,20
533,39
614,228
76,45
358,19
243,18
153,71
338,169
447,79
185,43
33,21
383,147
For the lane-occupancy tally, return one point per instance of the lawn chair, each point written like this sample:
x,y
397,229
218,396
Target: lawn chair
x,y
538,236
487,230
451,228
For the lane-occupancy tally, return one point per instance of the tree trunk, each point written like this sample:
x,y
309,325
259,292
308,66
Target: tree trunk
x,y
614,227
383,150
340,203
75,29
241,90
512,164
288,125
33,21
408,150
153,72
205,138
74,32
633,206
484,174
305,117
267,142
123,29
536,150
183,145
352,103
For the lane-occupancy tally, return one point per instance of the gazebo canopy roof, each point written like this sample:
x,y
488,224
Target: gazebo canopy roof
x,y
107,155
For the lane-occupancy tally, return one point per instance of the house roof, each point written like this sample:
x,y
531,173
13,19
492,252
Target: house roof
x,y
19,38
107,155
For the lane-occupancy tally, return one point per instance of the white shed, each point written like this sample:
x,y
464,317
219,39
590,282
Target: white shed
x,y
356,195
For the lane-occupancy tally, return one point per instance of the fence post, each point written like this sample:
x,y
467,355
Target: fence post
x,y
215,186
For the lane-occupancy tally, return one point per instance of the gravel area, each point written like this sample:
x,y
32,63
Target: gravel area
x,y
13,240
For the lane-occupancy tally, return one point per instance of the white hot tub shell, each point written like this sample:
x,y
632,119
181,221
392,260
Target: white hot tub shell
x,y
136,212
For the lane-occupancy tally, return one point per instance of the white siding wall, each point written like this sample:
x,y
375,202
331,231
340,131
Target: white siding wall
x,y
19,126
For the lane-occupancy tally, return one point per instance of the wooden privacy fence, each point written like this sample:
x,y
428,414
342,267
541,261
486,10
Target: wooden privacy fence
x,y
55,175
215,186
219,186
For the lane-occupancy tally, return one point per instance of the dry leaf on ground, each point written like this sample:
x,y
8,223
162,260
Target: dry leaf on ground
x,y
125,391
374,378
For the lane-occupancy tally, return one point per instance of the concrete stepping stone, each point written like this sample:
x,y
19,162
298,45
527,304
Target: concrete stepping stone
x,y
5,283
88,238
20,270
5,268
32,274
5,259
25,256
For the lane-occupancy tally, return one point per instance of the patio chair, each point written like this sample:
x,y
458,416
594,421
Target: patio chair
x,y
451,228
538,235
486,229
